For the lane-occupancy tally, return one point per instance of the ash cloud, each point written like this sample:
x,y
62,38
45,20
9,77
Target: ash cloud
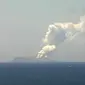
x,y
58,33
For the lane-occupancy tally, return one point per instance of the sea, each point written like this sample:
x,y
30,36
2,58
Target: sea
x,y
60,73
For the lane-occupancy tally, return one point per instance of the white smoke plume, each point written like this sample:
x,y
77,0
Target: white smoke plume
x,y
58,33
45,50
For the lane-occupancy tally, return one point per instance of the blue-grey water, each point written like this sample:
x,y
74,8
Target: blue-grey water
x,y
42,74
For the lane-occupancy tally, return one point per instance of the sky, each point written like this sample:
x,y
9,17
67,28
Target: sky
x,y
23,23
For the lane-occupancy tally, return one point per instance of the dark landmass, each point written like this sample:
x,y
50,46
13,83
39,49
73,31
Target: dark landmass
x,y
31,60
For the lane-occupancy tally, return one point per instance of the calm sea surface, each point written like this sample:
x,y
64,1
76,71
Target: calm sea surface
x,y
42,74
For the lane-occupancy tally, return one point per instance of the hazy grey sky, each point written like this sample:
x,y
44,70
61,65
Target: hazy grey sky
x,y
23,23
